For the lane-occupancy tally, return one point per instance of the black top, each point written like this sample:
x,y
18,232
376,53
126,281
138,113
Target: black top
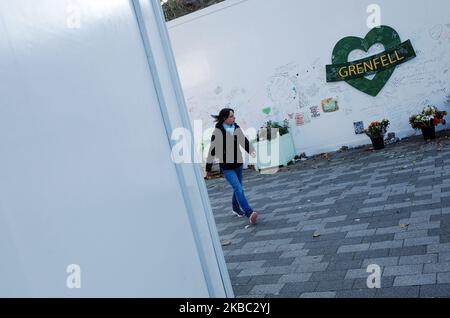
x,y
224,145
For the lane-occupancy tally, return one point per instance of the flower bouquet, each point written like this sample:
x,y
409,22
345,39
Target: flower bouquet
x,y
376,131
427,121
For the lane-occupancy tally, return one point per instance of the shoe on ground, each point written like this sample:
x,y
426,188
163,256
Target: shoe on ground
x,y
253,218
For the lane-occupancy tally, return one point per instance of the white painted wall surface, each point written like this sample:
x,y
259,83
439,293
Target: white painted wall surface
x,y
242,53
85,170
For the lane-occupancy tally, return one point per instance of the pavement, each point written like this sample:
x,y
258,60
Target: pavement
x,y
323,221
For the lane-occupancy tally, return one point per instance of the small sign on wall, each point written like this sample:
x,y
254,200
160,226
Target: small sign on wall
x,y
359,127
329,105
299,119
315,112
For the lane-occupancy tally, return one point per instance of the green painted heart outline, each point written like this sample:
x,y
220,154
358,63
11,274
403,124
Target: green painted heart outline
x,y
384,35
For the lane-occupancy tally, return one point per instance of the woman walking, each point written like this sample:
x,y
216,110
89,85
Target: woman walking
x,y
225,145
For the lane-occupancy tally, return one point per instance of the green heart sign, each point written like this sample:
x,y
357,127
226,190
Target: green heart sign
x,y
383,64
267,110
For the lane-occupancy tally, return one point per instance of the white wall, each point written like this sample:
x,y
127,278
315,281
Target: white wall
x,y
246,54
85,171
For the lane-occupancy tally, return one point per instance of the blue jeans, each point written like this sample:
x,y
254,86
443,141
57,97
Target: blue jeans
x,y
234,178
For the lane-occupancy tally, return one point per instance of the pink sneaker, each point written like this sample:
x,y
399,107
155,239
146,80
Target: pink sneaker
x,y
253,218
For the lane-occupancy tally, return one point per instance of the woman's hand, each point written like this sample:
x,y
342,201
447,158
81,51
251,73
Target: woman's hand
x,y
253,154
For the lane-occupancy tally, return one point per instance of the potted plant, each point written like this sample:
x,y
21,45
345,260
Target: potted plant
x,y
427,121
274,144
376,132
265,133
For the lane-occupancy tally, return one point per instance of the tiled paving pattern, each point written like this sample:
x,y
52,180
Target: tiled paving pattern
x,y
324,221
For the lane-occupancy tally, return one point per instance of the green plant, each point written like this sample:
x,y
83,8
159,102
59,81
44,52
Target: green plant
x,y
265,133
429,116
377,129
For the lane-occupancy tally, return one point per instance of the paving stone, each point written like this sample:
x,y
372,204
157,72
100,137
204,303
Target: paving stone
x,y
362,293
437,268
402,270
266,289
295,278
415,280
294,290
444,278
335,285
418,259
383,261
353,248
399,292
421,241
435,291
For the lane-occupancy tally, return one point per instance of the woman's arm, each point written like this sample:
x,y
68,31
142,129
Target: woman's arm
x,y
211,153
245,143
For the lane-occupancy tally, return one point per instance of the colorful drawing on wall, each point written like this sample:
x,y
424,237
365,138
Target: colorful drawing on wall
x,y
329,105
359,127
282,88
315,111
382,65
299,119
347,111
312,90
267,110
302,101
